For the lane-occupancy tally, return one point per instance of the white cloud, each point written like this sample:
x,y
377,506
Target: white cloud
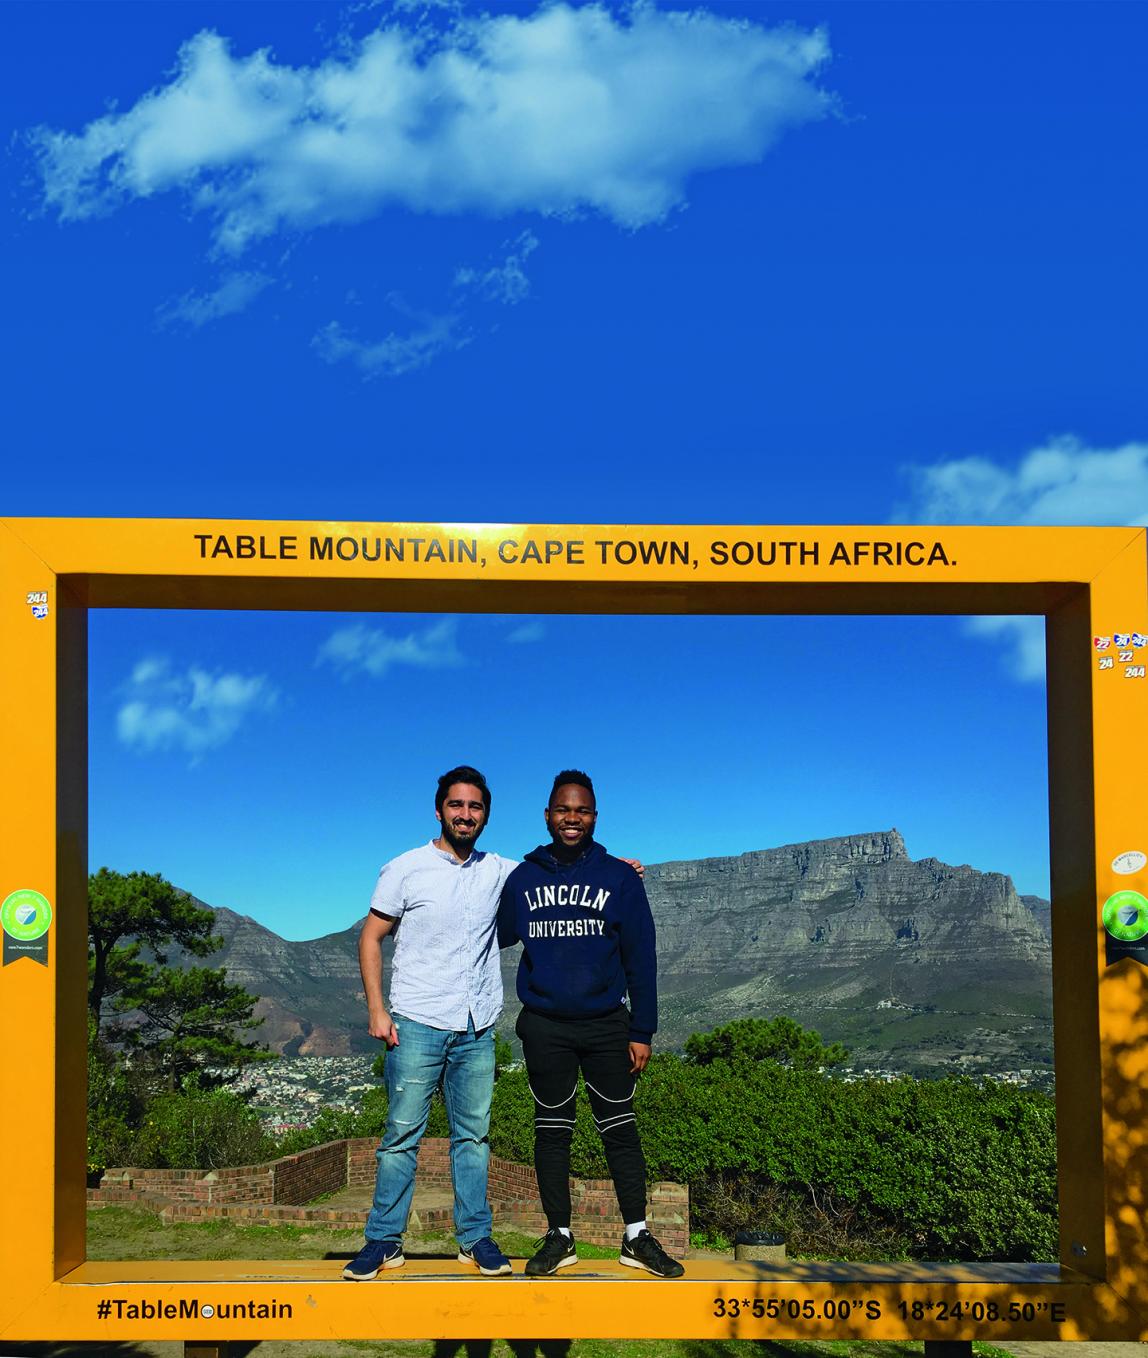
x,y
1062,482
395,354
562,110
527,632
433,333
234,294
506,282
190,710
1021,641
371,650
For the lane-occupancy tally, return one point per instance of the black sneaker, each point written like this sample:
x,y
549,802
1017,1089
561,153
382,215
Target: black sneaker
x,y
645,1252
556,1250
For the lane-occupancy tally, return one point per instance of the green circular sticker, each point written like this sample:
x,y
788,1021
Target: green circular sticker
x,y
26,915
1126,916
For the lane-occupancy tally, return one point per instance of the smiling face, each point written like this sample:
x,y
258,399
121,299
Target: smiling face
x,y
571,815
462,815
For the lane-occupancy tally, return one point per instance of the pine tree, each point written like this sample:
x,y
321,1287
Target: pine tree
x,y
174,1021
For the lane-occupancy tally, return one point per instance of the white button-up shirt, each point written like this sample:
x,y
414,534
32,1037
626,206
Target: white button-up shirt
x,y
445,968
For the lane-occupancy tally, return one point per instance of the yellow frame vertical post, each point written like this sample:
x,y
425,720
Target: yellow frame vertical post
x,y
39,1238
1120,730
1086,582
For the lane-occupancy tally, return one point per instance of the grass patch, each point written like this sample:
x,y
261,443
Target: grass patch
x,y
135,1233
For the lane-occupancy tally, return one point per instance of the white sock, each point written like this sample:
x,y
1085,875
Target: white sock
x,y
566,1231
634,1228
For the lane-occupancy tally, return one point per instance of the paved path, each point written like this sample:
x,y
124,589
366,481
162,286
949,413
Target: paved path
x,y
438,1200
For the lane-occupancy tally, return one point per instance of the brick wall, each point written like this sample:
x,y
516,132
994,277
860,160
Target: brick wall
x,y
433,1169
244,1183
292,1179
513,1194
361,1161
279,1191
308,1175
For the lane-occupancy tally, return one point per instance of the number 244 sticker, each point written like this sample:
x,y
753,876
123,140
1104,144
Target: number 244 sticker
x,y
1106,662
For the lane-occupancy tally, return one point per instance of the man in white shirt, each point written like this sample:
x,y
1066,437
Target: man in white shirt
x,y
441,903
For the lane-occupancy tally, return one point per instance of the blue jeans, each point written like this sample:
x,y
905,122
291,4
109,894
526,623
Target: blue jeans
x,y
464,1062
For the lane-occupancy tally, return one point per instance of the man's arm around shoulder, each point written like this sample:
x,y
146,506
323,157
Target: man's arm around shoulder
x,y
507,914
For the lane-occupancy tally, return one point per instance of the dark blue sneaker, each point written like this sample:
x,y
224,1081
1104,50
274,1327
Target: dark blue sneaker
x,y
486,1256
374,1255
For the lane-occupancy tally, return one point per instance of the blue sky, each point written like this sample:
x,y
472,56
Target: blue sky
x,y
776,264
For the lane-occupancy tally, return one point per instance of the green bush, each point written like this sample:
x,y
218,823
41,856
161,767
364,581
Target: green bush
x,y
935,1169
200,1129
332,1124
113,1105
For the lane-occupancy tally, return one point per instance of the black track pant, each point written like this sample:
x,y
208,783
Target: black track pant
x,y
555,1050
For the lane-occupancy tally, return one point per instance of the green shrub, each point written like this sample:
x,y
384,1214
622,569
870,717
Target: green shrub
x,y
113,1105
934,1169
332,1124
200,1129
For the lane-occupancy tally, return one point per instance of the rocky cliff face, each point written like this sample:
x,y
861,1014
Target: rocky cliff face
x,y
911,963
855,938
310,995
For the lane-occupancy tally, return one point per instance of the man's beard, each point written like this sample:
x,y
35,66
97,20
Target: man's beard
x,y
461,841
570,853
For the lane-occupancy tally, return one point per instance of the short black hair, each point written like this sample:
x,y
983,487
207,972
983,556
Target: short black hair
x,y
463,774
575,776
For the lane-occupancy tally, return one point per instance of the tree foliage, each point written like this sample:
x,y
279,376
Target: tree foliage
x,y
755,1039
369,1119
172,1021
128,912
186,1022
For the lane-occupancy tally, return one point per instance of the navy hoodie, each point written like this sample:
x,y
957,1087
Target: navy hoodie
x,y
587,937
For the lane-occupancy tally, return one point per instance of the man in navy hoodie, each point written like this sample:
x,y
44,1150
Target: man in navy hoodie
x,y
587,941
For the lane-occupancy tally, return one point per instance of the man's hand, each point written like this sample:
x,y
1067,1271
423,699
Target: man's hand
x,y
639,1055
639,867
382,1026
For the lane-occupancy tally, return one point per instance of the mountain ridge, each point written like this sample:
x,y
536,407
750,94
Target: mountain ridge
x,y
911,962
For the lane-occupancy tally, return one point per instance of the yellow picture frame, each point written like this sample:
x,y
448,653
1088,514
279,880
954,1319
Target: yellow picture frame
x,y
1088,583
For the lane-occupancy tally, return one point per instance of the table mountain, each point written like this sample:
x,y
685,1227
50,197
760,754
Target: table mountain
x,y
910,963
